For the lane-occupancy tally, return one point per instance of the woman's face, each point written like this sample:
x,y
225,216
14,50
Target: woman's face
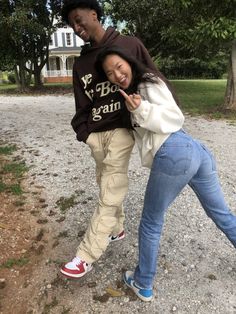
x,y
118,71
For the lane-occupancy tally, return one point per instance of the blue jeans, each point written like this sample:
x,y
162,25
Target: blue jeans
x,y
181,160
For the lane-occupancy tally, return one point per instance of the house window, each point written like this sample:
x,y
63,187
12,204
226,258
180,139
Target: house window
x,y
68,39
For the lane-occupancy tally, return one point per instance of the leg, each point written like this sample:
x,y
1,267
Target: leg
x,y
112,176
208,190
174,165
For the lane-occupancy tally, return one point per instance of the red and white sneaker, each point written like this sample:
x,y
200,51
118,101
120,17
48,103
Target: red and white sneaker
x,y
120,236
76,268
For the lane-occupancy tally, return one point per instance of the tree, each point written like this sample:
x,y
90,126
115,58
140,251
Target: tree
x,y
144,19
211,28
183,28
25,29
6,53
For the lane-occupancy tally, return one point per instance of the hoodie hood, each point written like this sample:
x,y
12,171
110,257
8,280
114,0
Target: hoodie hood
x,y
109,37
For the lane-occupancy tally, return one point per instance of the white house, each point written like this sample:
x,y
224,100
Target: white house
x,y
64,47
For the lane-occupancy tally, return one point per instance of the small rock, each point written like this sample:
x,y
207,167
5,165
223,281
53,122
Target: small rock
x,y
42,221
211,277
2,283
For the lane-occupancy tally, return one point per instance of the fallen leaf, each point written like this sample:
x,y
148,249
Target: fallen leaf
x,y
113,292
3,226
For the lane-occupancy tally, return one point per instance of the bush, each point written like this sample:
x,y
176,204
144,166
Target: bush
x,y
11,78
192,68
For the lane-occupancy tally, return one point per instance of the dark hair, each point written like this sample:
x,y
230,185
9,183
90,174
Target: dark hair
x,y
139,70
69,5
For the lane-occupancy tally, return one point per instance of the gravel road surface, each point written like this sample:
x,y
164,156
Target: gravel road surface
x,y
197,265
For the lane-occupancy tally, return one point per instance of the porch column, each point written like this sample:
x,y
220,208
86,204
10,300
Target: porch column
x,y
63,71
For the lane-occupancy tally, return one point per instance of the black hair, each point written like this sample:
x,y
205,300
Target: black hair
x,y
69,5
140,72
138,69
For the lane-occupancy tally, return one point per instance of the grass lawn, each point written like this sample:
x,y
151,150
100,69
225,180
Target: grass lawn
x,y
197,97
202,97
6,87
55,88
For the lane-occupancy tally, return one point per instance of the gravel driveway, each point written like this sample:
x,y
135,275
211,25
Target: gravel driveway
x,y
197,265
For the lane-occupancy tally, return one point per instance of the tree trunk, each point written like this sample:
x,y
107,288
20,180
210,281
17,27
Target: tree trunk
x,y
21,76
230,94
17,76
37,78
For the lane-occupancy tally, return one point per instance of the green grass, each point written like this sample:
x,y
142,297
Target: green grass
x,y
65,203
14,169
3,187
4,87
199,97
7,150
65,85
17,169
49,88
14,262
16,189
13,188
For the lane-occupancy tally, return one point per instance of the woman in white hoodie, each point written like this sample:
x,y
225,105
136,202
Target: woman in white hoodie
x,y
174,157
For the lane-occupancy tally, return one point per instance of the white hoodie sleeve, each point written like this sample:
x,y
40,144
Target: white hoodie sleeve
x,y
158,111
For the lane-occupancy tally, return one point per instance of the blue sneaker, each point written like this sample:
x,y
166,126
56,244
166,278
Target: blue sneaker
x,y
143,294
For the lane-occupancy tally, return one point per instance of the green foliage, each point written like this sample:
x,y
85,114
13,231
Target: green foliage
x,y
183,28
14,262
202,28
144,19
25,31
11,78
179,68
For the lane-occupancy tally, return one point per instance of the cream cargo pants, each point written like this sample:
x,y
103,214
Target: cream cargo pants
x,y
111,151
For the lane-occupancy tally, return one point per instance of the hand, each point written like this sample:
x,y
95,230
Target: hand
x,y
131,101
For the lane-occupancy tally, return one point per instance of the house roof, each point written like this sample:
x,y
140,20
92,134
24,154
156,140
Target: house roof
x,y
65,50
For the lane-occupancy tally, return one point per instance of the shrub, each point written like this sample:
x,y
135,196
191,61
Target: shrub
x,y
192,68
11,78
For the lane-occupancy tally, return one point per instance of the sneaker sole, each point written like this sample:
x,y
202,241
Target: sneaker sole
x,y
135,290
74,276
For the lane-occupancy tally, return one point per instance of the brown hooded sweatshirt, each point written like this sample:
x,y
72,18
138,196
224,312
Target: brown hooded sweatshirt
x,y
99,107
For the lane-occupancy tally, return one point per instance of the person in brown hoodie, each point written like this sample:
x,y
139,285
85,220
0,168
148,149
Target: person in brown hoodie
x,y
103,123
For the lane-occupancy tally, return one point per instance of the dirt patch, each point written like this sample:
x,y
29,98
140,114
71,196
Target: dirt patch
x,y
21,238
